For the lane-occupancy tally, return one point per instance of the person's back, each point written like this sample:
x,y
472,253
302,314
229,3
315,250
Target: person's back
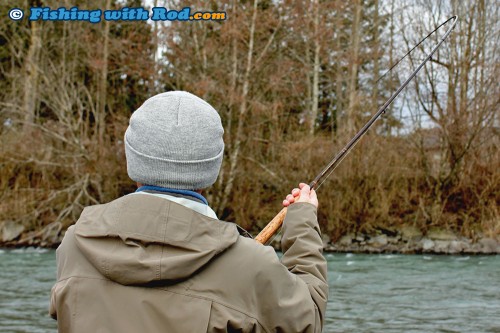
x,y
159,260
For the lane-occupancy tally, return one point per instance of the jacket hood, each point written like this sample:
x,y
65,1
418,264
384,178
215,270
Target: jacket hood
x,y
139,239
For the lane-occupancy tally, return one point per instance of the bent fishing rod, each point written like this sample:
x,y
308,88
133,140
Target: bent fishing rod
x,y
273,226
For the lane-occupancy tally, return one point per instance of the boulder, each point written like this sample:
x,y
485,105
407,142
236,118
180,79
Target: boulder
x,y
440,234
11,230
330,248
393,248
409,232
355,248
372,249
393,239
457,246
51,233
427,245
488,245
441,246
377,241
360,238
326,240
474,249
345,240
411,248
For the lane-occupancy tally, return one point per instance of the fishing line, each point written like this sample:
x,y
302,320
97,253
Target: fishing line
x,y
419,43
275,236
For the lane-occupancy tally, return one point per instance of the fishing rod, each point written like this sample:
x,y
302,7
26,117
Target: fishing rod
x,y
273,226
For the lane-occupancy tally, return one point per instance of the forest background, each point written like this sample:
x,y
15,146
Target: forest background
x,y
292,80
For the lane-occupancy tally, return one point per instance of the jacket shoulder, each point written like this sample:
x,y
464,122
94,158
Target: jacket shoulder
x,y
256,254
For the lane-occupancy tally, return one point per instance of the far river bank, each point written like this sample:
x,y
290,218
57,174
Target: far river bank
x,y
410,240
407,240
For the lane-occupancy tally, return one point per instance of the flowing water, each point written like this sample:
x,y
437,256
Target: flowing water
x,y
368,293
413,293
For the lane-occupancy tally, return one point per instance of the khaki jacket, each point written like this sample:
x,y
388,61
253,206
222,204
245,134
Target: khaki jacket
x,y
146,264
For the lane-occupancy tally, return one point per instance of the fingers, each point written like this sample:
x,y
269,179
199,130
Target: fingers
x,y
291,198
301,194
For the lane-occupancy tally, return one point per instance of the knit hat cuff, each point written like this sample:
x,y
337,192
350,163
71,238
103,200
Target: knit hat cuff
x,y
188,175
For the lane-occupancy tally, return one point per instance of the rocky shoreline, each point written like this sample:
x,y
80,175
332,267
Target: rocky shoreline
x,y
407,240
410,240
381,244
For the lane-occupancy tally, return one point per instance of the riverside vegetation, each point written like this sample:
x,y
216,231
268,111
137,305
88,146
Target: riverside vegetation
x,y
293,81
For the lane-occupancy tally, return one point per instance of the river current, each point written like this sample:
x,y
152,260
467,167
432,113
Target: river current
x,y
368,293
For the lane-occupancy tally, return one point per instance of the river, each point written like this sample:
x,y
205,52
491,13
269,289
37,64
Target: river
x,y
368,293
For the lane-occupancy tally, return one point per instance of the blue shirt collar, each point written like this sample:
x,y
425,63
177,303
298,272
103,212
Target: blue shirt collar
x,y
175,191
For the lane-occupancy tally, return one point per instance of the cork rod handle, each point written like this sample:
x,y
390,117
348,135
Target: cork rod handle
x,y
272,227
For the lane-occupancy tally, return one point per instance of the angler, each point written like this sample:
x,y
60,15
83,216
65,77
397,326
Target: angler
x,y
159,259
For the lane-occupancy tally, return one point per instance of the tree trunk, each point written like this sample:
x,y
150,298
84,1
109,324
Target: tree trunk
x,y
353,75
238,137
376,57
154,77
103,80
229,127
315,83
32,74
339,80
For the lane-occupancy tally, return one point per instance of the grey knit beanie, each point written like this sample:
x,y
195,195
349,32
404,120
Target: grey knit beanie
x,y
174,140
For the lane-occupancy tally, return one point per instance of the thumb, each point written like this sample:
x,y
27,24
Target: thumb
x,y
305,190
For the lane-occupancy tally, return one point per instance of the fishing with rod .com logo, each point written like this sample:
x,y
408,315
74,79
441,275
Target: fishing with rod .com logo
x,y
122,14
